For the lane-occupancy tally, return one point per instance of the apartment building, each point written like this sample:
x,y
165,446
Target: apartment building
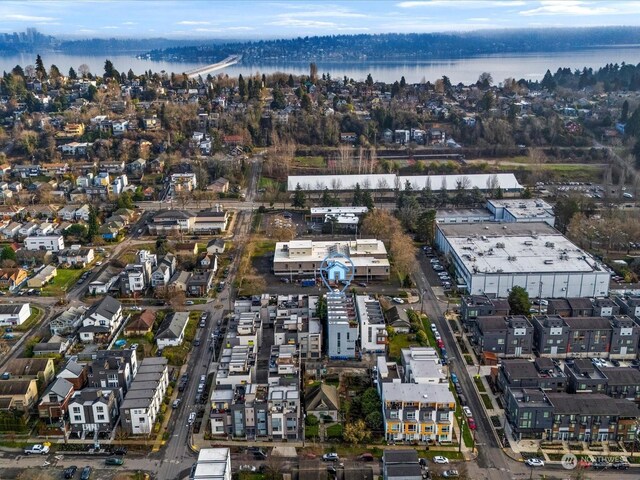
x,y
143,401
373,329
415,412
93,411
342,327
510,336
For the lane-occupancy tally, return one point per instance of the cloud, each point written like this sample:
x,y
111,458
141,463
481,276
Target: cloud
x,y
129,23
461,3
295,22
193,22
569,7
28,18
110,27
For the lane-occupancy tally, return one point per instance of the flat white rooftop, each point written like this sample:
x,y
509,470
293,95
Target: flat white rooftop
x,y
320,250
417,392
338,210
512,249
525,208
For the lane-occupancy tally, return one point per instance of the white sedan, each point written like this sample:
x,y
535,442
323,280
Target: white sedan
x,y
397,300
467,412
534,462
441,460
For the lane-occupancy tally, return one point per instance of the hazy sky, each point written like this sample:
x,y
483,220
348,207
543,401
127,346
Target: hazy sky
x,y
288,18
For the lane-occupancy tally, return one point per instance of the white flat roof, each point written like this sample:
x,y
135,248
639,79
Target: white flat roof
x,y
338,210
506,181
488,252
383,181
376,181
526,208
417,392
360,251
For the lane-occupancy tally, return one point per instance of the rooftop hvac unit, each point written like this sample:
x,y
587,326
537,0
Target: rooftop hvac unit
x,y
550,244
512,259
500,245
528,242
548,262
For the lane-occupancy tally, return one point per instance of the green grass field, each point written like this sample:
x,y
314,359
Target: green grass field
x,y
63,282
398,342
35,317
267,183
309,162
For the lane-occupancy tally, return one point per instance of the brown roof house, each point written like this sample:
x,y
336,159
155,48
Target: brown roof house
x,y
19,395
40,369
322,401
140,325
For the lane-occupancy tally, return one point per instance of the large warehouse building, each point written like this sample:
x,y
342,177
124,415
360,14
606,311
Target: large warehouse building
x,y
385,185
492,258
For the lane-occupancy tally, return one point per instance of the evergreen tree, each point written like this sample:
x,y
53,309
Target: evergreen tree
x,y
369,81
326,200
8,253
93,226
242,86
17,70
290,81
130,75
625,111
72,74
299,198
367,200
279,101
548,81
357,196
41,72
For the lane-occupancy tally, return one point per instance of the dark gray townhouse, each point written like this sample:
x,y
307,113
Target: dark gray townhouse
x,y
510,336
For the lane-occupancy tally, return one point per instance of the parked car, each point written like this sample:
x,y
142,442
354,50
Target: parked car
x,y
366,457
37,449
440,459
600,464
534,462
192,418
330,457
472,423
620,465
397,300
86,473
70,472
116,461
467,412
450,474
176,403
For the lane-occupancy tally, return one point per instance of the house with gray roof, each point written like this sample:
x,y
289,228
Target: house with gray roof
x,y
171,331
54,401
93,411
143,401
101,321
322,401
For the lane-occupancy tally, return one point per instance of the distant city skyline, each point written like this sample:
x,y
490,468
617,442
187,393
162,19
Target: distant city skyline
x,y
265,19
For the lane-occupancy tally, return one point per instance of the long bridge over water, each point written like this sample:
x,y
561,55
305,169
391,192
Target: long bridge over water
x,y
230,60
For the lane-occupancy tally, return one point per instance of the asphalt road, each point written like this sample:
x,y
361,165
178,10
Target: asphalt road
x,y
490,456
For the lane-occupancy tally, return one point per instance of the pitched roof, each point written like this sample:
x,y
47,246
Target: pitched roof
x,y
322,397
60,387
144,322
14,387
106,308
26,366
74,367
173,325
397,317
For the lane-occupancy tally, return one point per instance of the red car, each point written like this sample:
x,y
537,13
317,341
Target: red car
x,y
440,343
472,423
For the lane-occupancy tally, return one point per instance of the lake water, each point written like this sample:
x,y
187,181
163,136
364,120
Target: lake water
x,y
465,70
